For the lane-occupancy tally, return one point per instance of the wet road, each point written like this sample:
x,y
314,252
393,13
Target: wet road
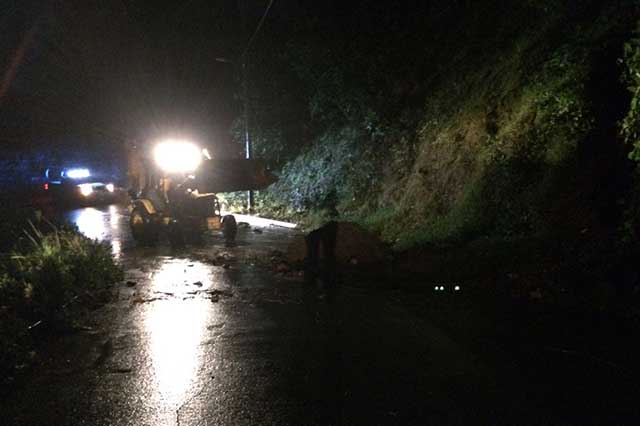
x,y
212,336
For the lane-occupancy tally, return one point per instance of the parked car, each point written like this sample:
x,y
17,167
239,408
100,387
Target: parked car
x,y
79,187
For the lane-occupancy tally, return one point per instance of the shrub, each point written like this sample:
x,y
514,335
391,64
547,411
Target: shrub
x,y
40,278
61,265
630,126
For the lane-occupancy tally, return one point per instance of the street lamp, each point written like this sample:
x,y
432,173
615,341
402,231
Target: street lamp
x,y
247,139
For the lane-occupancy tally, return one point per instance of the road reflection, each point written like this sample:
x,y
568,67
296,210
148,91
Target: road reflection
x,y
175,328
116,248
114,217
90,221
101,223
169,337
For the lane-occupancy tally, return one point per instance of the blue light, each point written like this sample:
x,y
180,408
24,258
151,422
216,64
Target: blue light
x,y
77,173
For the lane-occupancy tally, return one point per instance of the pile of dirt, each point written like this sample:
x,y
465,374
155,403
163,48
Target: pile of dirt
x,y
354,245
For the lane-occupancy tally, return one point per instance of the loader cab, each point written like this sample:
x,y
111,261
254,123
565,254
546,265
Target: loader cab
x,y
166,201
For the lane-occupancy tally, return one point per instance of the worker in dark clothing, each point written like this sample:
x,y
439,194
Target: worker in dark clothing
x,y
320,261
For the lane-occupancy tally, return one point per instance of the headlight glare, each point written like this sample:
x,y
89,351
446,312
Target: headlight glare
x,y
177,156
86,189
77,173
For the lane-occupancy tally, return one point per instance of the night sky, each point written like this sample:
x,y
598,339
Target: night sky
x,y
93,73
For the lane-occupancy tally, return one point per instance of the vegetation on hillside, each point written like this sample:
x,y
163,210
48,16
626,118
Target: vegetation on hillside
x,y
631,123
630,130
452,121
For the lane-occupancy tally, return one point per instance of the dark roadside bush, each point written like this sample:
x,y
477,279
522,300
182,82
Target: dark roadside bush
x,y
49,279
61,265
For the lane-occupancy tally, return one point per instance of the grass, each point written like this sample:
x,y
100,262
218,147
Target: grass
x,y
46,271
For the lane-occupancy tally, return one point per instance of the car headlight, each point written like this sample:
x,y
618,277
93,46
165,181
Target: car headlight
x,y
110,187
77,173
177,156
86,189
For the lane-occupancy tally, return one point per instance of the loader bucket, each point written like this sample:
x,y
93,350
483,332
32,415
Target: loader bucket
x,y
230,175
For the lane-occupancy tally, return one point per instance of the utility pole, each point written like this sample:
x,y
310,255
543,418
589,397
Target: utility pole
x,y
244,63
247,137
244,85
245,66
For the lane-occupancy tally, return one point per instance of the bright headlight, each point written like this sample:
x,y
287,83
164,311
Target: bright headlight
x,y
177,156
110,187
86,189
77,173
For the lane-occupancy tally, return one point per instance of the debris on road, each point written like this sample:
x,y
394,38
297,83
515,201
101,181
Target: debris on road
x,y
224,257
138,300
222,293
215,295
215,326
282,267
83,329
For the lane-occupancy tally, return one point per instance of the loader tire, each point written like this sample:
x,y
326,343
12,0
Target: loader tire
x,y
143,230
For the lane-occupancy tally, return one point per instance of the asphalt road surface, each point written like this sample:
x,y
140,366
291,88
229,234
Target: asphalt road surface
x,y
212,335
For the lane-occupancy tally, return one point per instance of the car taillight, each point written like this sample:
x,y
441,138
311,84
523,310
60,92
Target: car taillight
x,y
46,186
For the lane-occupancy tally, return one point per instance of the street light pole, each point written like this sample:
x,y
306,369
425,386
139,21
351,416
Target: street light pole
x,y
245,78
247,138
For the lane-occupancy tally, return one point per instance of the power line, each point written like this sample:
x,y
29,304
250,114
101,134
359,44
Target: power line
x,y
255,33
